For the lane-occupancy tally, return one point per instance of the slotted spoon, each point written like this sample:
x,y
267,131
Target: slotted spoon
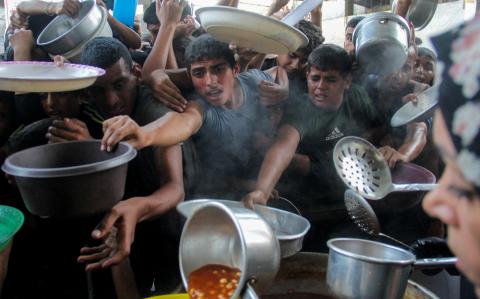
x,y
363,168
365,218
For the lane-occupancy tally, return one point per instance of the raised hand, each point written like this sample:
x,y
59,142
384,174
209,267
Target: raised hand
x,y
165,91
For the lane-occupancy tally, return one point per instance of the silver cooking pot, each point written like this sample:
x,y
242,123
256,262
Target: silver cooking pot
x,y
64,33
363,269
381,43
231,236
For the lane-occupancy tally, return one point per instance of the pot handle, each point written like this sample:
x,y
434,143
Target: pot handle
x,y
435,263
249,292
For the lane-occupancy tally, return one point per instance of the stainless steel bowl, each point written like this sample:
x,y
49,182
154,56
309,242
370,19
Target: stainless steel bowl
x,y
234,237
289,228
64,33
381,43
420,12
70,179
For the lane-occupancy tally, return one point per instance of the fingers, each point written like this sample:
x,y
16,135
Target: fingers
x,y
105,226
115,130
59,60
68,129
55,139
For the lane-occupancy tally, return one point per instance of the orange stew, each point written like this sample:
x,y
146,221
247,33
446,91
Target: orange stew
x,y
213,282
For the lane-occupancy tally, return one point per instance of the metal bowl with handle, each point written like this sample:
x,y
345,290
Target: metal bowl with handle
x,y
289,228
363,269
231,236
65,33
70,179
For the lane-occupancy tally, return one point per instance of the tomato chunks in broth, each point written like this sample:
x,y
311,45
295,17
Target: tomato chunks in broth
x,y
213,282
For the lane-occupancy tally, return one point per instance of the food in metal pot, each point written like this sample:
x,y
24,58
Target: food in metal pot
x,y
213,282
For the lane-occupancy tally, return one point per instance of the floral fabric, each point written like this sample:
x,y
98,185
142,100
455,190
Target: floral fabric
x,y
459,93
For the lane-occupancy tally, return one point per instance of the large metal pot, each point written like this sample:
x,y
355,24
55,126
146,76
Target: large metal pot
x,y
303,276
364,269
381,43
231,236
70,179
64,33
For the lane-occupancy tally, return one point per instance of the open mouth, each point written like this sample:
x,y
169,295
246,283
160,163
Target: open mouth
x,y
214,93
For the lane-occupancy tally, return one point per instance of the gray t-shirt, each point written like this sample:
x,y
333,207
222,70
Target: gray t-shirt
x,y
224,143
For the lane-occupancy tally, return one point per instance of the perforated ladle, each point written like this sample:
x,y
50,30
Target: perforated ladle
x,y
365,218
363,168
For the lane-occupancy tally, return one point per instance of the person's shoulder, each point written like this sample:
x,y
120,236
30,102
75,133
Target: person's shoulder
x,y
147,107
254,76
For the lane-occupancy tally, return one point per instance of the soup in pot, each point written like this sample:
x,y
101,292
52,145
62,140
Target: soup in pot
x,y
213,282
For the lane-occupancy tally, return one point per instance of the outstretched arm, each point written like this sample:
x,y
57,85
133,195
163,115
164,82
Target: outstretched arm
x,y
276,160
122,220
171,129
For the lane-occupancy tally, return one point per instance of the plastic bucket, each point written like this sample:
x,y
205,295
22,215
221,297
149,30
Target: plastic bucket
x,y
124,11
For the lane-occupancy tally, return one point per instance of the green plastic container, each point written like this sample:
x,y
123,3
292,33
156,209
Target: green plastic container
x,y
11,220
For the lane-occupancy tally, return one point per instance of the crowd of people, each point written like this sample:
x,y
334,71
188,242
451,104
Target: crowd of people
x,y
213,120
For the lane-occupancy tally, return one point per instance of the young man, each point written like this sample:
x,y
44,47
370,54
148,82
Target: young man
x,y
154,181
334,108
222,115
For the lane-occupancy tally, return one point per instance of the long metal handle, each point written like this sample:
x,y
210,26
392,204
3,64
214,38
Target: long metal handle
x,y
301,11
435,263
413,187
249,292
396,241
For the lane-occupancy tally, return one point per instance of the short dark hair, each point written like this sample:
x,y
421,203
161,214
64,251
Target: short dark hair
x,y
314,35
150,14
330,57
104,52
207,47
423,51
353,22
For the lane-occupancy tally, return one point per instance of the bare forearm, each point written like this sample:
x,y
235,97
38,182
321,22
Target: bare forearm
x,y
172,59
316,15
128,35
33,7
276,161
414,142
162,200
158,57
171,129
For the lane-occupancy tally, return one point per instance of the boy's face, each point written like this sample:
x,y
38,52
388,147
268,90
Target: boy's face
x,y
61,104
424,70
115,92
326,88
293,62
214,80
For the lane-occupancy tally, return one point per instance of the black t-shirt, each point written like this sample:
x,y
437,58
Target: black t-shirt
x,y
320,130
